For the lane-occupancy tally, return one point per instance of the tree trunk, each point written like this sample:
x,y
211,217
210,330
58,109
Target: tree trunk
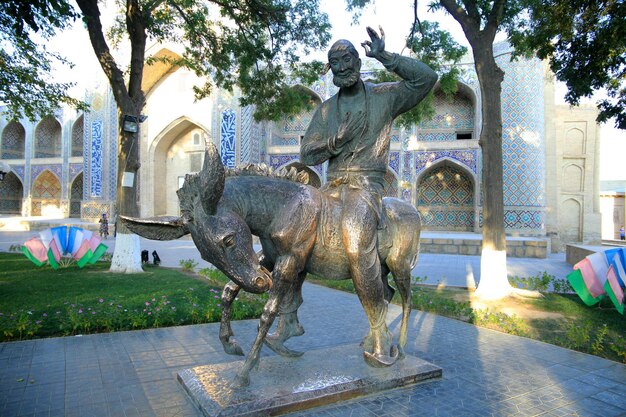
x,y
127,253
493,274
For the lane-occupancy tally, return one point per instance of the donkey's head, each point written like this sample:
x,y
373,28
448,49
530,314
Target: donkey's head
x,y
221,235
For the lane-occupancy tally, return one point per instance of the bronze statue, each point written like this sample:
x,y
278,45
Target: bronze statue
x,y
333,233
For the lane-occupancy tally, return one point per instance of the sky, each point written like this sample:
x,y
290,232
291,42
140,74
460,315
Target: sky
x,y
394,16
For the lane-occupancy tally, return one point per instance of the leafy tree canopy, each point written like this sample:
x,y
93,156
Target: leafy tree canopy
x,y
25,84
584,42
251,44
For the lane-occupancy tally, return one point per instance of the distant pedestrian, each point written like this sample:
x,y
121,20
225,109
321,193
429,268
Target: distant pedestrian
x,y
104,226
621,233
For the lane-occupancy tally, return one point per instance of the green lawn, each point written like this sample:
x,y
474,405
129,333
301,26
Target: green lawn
x,y
559,319
42,302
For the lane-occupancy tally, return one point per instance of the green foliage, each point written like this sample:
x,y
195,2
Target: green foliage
x,y
188,265
584,43
250,45
437,49
543,283
25,85
43,302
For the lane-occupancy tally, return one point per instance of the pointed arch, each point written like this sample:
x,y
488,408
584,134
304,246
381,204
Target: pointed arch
x,y
48,138
446,196
45,193
11,194
173,154
161,65
571,221
78,129
13,141
76,196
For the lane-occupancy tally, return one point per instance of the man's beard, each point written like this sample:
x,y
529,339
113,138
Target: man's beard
x,y
346,80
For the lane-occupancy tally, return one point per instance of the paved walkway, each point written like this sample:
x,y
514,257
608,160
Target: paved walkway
x,y
485,372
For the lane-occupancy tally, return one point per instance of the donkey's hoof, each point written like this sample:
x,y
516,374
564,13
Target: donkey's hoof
x,y
233,348
377,360
277,346
240,381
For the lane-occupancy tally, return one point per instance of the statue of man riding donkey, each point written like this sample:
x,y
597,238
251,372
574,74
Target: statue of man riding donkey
x,y
343,230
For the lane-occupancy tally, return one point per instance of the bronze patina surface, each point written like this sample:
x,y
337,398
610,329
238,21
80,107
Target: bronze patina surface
x,y
345,230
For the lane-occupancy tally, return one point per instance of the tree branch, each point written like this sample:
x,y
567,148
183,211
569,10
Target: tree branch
x,y
470,26
137,34
91,13
494,18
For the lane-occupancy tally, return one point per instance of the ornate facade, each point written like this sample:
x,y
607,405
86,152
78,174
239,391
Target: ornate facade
x,y
67,162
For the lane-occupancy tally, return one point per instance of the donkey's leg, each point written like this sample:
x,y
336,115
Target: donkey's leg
x,y
401,270
288,324
226,333
283,276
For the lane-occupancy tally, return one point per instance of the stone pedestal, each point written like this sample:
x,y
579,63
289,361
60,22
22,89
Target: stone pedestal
x,y
283,385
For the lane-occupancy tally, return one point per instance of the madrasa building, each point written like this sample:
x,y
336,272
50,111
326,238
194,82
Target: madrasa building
x,y
65,164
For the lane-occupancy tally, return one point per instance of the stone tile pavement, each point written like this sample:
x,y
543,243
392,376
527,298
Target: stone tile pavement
x,y
486,373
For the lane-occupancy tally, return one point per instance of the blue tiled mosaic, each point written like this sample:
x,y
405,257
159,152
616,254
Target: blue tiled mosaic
x,y
227,143
96,159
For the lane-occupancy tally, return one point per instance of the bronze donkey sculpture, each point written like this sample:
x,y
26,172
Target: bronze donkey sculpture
x,y
297,226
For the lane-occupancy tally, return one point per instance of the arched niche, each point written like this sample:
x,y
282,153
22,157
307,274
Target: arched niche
x,y
76,196
446,197
48,138
13,141
571,221
78,129
573,177
175,152
574,142
45,194
11,194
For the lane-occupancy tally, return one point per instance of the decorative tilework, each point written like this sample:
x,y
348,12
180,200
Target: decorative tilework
x,y
112,138
523,218
228,136
13,141
426,158
394,162
436,136
391,185
48,138
19,171
445,199
35,170
78,132
277,161
457,114
255,142
523,143
11,194
75,169
245,155
46,190
289,140
96,159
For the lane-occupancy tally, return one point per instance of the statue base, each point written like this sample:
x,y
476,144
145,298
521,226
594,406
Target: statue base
x,y
283,385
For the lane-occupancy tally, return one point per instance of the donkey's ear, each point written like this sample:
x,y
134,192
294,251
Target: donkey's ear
x,y
211,180
157,228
